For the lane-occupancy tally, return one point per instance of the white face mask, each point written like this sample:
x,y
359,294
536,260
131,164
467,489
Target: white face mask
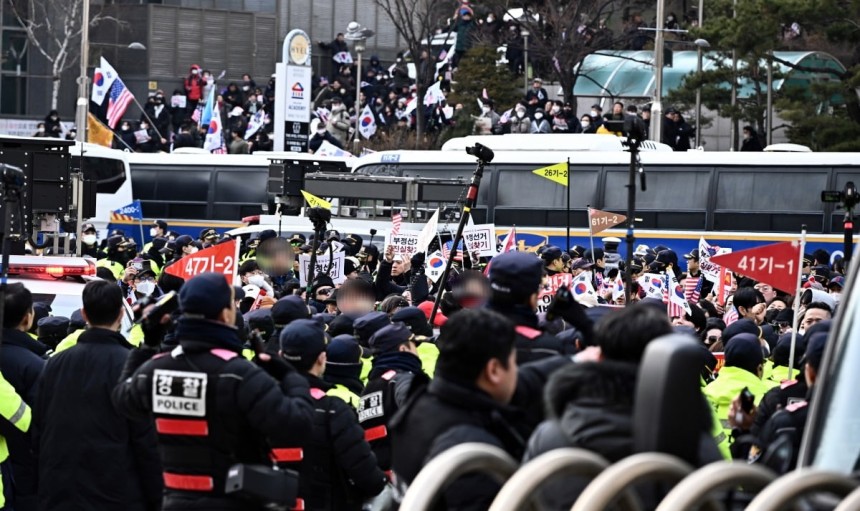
x,y
246,88
538,115
153,232
41,130
191,250
585,124
321,132
89,239
145,287
595,113
194,71
555,110
521,113
257,280
485,109
259,99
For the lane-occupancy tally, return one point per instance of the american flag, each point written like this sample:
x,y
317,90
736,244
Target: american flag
x,y
673,297
693,289
731,316
396,220
446,250
120,98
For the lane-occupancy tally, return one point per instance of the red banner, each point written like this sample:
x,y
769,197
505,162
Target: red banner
x,y
220,258
775,264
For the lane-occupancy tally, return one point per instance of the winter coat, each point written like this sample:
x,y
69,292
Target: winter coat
x,y
338,125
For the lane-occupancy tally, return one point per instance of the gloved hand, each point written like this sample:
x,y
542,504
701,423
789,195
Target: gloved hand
x,y
277,367
417,261
154,330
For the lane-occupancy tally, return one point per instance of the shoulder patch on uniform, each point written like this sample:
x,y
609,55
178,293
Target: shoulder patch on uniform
x,y
224,354
388,375
528,332
159,355
793,407
787,383
317,393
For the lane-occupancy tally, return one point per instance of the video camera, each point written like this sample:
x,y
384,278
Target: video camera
x,y
481,152
847,196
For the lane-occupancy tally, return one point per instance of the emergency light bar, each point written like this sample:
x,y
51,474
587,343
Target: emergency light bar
x,y
57,267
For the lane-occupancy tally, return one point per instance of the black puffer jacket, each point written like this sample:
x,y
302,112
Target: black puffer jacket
x,y
590,406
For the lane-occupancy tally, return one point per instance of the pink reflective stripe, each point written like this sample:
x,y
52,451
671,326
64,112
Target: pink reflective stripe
x,y
528,332
224,354
317,394
389,375
159,355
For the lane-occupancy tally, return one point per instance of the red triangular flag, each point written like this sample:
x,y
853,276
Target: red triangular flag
x,y
219,258
775,264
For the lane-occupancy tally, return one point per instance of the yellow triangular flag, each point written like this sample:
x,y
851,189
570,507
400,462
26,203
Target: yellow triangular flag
x,y
98,133
316,202
556,173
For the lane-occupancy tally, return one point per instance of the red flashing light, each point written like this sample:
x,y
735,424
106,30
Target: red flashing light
x,y
55,271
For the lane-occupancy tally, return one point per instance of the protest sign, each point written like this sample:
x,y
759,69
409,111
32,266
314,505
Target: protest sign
x,y
405,243
481,239
219,258
550,287
324,266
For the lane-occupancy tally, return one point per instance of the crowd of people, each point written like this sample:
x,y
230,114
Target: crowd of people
x,y
357,385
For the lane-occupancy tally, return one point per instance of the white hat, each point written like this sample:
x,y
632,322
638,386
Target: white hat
x,y
251,291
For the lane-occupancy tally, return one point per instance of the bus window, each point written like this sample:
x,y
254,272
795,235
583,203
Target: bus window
x,y
519,187
668,189
744,190
108,173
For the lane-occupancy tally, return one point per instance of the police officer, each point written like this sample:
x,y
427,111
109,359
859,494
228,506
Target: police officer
x,y
158,230
416,322
552,259
337,469
212,407
120,250
89,241
343,369
396,367
18,414
21,365
515,279
743,369
785,427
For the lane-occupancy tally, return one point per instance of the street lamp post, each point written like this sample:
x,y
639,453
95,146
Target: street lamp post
x,y
525,34
701,44
657,105
358,35
81,106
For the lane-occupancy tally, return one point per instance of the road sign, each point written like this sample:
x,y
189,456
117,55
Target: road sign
x,y
775,264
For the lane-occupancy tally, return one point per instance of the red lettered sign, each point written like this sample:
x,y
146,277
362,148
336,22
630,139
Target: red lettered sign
x,y
220,258
773,264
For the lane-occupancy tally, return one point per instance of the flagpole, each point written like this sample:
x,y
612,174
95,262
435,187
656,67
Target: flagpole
x,y
568,207
591,232
796,306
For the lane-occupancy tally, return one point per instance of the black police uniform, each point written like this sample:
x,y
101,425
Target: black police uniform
x,y
337,469
22,365
778,442
777,398
212,409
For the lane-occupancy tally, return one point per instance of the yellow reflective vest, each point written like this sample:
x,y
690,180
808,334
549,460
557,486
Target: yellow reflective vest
x,y
348,396
722,391
18,413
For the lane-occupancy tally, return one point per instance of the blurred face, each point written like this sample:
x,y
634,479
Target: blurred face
x,y
713,336
508,376
354,304
682,321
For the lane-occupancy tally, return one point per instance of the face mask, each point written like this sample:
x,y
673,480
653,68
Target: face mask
x,y
538,115
125,127
153,232
89,239
520,113
585,124
260,99
555,110
143,126
145,288
485,109
257,280
594,113
41,130
194,71
246,88
191,250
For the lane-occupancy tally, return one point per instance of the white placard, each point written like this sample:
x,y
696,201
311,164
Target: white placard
x,y
297,107
405,243
323,267
481,239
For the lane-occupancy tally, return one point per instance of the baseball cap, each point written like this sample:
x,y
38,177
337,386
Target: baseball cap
x,y
550,254
182,242
208,234
206,294
414,319
390,338
516,274
744,351
288,309
694,254
366,326
581,263
160,223
302,341
343,357
88,227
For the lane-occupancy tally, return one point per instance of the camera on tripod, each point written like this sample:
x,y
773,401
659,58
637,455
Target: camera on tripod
x,y
847,196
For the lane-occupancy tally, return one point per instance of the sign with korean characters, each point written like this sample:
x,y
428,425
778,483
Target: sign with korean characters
x,y
405,243
481,239
324,266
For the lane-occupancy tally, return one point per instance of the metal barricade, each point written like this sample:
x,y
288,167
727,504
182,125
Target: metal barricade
x,y
690,492
789,487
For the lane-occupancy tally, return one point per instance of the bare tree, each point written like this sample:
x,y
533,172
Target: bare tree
x,y
563,32
416,21
53,28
